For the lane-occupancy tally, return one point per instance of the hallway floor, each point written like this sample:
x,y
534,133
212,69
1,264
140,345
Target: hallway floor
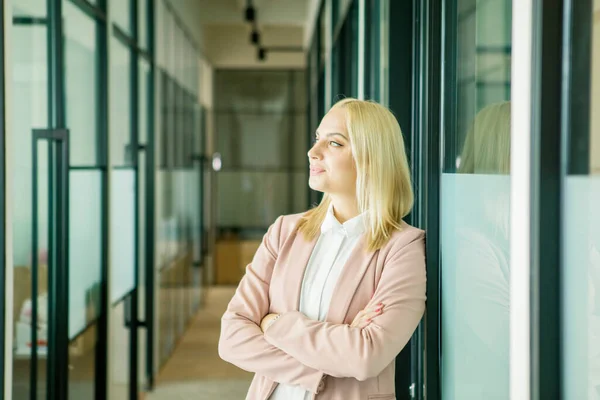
x,y
195,370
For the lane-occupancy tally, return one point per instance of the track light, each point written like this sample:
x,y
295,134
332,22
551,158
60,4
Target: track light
x,y
254,37
250,14
262,54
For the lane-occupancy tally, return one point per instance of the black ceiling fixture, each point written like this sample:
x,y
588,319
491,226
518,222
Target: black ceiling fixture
x,y
261,51
262,54
250,13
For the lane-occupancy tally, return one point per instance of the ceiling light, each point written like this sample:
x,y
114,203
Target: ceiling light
x,y
250,14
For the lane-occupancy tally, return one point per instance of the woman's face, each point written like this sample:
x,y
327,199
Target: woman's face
x,y
332,168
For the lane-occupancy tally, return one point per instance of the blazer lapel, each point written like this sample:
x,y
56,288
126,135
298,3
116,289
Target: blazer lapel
x,y
297,262
348,282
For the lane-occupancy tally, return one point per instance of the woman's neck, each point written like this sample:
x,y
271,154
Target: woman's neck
x,y
344,209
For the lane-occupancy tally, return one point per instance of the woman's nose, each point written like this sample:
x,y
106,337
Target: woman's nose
x,y
314,152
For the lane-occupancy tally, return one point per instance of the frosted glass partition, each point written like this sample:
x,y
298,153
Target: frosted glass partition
x,y
580,294
122,233
475,219
475,202
85,248
581,288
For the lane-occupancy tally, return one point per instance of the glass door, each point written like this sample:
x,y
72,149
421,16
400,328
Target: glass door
x,y
58,201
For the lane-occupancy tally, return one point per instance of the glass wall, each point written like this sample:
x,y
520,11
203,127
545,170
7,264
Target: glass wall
x,y
181,162
581,219
262,141
40,104
475,213
344,56
261,137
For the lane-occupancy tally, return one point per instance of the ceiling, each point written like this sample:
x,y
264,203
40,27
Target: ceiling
x,y
268,12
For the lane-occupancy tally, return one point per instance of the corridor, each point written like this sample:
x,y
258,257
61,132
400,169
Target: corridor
x,y
195,370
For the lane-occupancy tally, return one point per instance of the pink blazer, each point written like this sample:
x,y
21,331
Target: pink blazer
x,y
330,359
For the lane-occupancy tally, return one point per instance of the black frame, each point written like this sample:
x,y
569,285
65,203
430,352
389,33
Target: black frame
x,y
373,49
404,103
2,204
133,320
547,137
58,268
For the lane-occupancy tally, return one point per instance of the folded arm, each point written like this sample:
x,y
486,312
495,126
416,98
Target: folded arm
x,y
242,342
343,351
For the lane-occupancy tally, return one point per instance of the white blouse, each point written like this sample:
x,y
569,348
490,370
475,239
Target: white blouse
x,y
333,248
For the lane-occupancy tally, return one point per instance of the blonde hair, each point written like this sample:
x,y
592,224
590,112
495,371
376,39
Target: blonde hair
x,y
487,145
383,186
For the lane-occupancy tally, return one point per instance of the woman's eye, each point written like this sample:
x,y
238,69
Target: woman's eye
x,y
335,144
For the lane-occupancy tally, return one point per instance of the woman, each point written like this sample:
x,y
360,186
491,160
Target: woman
x,y
334,294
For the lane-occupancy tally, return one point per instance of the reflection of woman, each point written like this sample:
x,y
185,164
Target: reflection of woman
x,y
334,294
480,249
487,145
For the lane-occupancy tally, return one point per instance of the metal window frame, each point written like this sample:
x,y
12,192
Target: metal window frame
x,y
3,264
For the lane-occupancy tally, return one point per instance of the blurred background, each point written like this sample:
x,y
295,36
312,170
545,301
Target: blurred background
x,y
147,145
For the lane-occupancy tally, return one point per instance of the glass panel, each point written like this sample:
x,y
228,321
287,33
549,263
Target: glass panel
x,y
262,140
85,248
82,364
30,8
122,233
143,23
143,105
299,147
323,33
252,199
120,105
581,238
81,72
29,107
254,91
121,13
299,91
475,215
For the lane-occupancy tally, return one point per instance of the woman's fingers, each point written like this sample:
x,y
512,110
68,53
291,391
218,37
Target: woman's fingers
x,y
364,317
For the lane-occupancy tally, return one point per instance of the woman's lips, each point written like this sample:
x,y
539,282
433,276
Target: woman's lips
x,y
316,170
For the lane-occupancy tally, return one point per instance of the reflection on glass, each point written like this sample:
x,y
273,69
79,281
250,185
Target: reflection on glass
x,y
81,72
475,208
581,251
143,105
121,12
143,23
252,199
29,8
82,364
120,105
29,107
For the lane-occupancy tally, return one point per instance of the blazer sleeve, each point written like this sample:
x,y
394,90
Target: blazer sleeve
x,y
242,342
346,352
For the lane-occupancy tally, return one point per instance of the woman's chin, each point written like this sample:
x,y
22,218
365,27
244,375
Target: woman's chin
x,y
314,184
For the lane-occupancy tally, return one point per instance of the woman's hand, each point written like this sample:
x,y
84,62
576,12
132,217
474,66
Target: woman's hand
x,y
363,318
266,321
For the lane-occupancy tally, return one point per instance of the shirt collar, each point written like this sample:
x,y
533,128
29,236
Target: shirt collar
x,y
352,227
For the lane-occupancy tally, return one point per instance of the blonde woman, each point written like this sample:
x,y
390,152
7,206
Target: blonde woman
x,y
332,295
